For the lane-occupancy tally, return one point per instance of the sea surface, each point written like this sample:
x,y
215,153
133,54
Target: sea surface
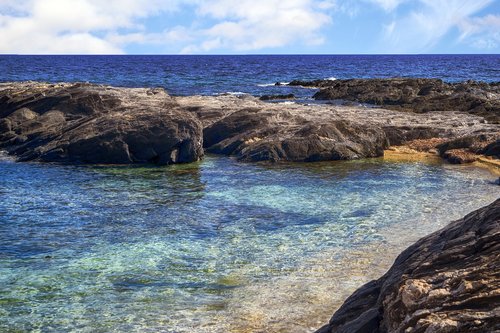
x,y
218,245
215,246
251,74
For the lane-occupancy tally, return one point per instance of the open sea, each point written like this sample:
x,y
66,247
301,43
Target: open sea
x,y
251,74
217,245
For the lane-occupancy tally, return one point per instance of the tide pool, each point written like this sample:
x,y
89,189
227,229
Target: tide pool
x,y
214,246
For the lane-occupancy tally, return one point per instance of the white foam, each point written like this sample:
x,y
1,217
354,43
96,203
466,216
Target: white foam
x,y
4,156
331,78
232,93
273,84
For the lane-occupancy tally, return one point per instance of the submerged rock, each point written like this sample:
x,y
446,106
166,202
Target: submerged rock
x,y
448,281
276,97
86,123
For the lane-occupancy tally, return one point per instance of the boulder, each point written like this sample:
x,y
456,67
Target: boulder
x,y
448,281
261,135
86,123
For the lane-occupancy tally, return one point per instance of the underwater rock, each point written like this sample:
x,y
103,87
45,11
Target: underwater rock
x,y
276,97
448,281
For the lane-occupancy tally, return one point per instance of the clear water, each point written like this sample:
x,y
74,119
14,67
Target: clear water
x,y
252,74
215,246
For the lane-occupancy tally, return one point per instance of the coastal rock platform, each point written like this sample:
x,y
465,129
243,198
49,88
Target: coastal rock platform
x,y
251,130
88,123
414,94
448,281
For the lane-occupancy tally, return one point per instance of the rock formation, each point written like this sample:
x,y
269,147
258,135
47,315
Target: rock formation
x,y
255,131
448,281
416,95
86,123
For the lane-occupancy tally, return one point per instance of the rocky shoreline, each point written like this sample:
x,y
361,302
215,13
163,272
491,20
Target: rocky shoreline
x,y
88,123
414,95
448,281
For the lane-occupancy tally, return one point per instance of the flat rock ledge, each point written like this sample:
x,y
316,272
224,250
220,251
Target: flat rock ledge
x,y
88,123
448,281
415,95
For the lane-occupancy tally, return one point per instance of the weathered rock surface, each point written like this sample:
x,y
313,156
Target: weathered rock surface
x,y
253,130
417,95
86,123
448,281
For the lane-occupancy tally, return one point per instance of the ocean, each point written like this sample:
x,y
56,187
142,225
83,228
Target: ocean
x,y
251,74
217,245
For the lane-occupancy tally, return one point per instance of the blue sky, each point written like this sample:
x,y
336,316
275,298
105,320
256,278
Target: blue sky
x,y
249,26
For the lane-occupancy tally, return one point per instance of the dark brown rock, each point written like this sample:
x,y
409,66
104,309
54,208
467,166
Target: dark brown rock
x,y
276,97
85,123
253,130
261,135
417,95
448,281
466,149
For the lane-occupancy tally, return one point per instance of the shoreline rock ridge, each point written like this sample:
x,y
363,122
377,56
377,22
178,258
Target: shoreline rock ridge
x,y
448,281
89,123
414,94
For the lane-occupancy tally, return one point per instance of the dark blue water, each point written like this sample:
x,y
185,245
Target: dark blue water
x,y
208,75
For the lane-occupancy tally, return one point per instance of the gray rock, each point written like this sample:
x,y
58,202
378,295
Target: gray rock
x,y
85,123
260,135
252,130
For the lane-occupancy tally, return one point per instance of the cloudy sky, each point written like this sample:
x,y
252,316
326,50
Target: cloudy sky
x,y
249,26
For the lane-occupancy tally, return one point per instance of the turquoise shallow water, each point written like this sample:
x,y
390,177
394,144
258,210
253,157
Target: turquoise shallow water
x,y
214,246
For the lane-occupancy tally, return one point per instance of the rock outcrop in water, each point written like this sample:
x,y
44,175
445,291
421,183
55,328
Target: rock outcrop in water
x,y
255,131
448,281
416,95
86,123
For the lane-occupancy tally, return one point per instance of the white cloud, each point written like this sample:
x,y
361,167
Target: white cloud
x,y
206,26
259,24
76,26
481,32
421,29
98,26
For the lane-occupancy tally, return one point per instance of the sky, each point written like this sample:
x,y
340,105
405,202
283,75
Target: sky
x,y
249,26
